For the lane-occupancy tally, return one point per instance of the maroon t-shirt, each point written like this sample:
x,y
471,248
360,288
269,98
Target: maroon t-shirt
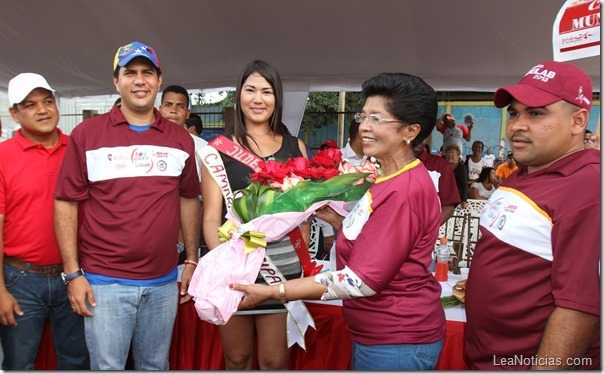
x,y
130,185
447,186
540,249
387,240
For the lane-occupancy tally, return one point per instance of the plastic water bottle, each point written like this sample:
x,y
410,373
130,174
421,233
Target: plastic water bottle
x,y
442,260
432,267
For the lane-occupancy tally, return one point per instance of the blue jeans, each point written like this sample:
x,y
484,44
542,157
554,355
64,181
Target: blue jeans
x,y
396,356
42,297
124,315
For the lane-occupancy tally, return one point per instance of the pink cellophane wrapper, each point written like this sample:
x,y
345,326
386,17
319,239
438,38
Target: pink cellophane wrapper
x,y
227,264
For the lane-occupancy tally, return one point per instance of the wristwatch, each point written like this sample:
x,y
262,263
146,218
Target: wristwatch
x,y
69,277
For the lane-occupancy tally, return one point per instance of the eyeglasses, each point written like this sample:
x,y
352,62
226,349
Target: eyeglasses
x,y
372,119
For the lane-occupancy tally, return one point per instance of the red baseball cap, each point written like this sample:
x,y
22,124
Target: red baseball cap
x,y
547,83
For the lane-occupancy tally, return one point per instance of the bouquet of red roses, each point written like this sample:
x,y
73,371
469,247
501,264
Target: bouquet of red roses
x,y
296,184
282,195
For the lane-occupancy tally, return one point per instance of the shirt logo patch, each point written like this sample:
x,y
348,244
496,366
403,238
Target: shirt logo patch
x,y
141,159
501,223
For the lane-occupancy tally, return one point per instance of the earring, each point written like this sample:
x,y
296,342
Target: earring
x,y
408,141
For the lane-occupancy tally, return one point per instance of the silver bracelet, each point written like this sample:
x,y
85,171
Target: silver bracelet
x,y
282,293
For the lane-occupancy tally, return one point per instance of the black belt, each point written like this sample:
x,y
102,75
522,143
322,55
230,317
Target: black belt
x,y
52,270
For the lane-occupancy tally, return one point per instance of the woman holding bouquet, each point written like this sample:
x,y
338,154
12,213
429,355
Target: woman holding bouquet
x,y
391,300
258,129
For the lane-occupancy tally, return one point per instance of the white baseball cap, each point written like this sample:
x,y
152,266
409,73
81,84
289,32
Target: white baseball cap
x,y
21,85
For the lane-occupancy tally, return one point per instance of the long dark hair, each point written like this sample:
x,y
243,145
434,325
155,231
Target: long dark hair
x,y
239,131
485,174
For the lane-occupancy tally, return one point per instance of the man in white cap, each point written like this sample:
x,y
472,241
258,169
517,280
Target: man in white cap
x,y
134,171
31,289
533,294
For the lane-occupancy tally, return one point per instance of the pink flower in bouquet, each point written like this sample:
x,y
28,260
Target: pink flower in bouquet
x,y
367,167
288,182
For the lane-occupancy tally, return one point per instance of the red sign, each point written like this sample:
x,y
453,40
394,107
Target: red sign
x,y
576,32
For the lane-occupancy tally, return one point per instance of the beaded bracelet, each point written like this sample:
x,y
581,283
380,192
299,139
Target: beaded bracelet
x,y
189,262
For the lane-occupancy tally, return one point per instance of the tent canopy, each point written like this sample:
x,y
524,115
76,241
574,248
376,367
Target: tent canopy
x,y
317,45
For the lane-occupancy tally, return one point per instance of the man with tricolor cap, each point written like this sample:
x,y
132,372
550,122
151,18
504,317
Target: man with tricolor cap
x,y
31,289
133,175
533,292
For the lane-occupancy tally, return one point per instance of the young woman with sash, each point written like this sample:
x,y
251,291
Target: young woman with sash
x,y
257,129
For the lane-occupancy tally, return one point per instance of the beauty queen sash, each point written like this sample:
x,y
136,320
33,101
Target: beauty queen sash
x,y
298,317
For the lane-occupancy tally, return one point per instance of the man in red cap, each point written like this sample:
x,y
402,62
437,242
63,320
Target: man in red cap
x,y
533,295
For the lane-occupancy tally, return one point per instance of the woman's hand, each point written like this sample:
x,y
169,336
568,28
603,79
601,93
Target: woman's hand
x,y
254,294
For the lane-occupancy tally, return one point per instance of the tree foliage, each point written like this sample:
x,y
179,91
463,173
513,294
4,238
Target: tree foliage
x,y
228,101
322,109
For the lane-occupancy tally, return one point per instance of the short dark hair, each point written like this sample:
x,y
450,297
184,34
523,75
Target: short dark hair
x,y
510,155
116,72
354,129
176,89
194,120
409,99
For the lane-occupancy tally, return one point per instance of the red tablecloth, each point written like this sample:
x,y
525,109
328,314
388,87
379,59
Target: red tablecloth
x,y
196,344
453,354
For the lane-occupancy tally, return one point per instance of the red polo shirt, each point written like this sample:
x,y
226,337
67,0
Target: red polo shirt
x,y
28,174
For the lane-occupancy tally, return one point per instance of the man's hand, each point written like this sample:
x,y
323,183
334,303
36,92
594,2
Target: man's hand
x,y
441,119
8,308
469,121
78,292
187,275
330,216
567,335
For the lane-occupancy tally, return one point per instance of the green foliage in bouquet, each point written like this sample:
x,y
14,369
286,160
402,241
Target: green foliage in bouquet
x,y
252,199
304,194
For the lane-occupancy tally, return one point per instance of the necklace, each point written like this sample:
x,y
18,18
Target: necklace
x,y
269,157
272,156
399,167
407,163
